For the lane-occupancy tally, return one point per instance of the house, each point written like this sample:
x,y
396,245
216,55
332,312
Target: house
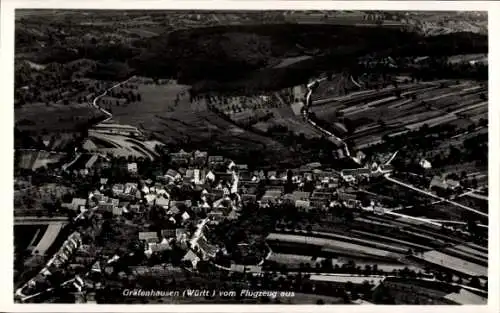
x,y
191,258
172,175
242,167
425,164
189,174
181,157
272,175
216,216
303,204
198,177
149,236
386,168
248,198
162,202
136,208
182,171
319,199
215,160
271,196
118,189
160,247
174,210
117,210
105,206
77,203
150,198
438,182
200,157
168,233
210,176
313,165
244,176
355,172
132,168
300,195
224,176
185,216
343,196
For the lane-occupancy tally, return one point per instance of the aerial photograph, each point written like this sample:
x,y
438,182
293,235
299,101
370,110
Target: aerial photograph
x,y
250,157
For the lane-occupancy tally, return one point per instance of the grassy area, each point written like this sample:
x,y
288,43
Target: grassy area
x,y
42,119
166,112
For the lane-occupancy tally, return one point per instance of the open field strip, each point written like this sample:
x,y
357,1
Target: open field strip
x,y
472,107
466,256
395,220
416,118
289,258
376,236
472,251
364,220
328,243
345,279
365,107
126,147
292,260
454,263
476,118
49,237
477,196
400,104
433,121
361,241
476,247
446,95
407,217
476,111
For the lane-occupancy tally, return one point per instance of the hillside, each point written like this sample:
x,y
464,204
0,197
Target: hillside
x,y
244,55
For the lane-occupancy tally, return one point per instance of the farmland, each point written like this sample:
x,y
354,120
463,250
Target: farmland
x,y
42,119
166,112
28,236
371,116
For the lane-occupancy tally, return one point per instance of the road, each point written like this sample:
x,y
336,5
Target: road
x,y
108,114
387,176
328,134
96,99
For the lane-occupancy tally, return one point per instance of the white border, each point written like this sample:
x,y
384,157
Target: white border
x,y
6,122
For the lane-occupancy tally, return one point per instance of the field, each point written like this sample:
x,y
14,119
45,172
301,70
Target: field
x,y
31,159
371,115
48,238
118,146
418,204
289,61
28,236
441,259
56,118
166,113
30,200
330,245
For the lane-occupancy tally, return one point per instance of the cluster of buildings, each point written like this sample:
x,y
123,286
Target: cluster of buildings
x,y
356,174
198,191
59,259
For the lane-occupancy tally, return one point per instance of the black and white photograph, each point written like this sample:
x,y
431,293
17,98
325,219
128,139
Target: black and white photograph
x,y
321,157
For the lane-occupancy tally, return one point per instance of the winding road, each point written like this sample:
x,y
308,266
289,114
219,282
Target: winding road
x,y
94,103
305,114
